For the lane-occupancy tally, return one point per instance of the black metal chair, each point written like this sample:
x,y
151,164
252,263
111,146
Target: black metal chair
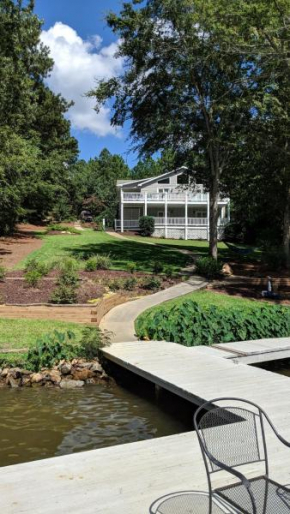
x,y
231,436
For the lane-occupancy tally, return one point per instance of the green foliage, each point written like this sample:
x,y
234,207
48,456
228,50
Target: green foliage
x,y
129,284
191,324
63,228
64,294
32,278
158,267
68,264
93,340
131,267
2,273
151,283
50,349
169,272
114,284
146,225
98,262
208,267
33,265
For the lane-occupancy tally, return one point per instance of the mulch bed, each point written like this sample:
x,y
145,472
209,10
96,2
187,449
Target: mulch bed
x,y
92,285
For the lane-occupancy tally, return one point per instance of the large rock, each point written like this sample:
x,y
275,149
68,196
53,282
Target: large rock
x,y
36,378
12,382
4,372
71,384
96,367
65,369
83,374
55,376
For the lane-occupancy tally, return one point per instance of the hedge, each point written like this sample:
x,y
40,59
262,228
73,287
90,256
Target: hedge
x,y
190,324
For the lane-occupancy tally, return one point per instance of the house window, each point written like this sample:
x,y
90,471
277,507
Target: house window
x,y
160,214
164,181
163,190
182,179
200,214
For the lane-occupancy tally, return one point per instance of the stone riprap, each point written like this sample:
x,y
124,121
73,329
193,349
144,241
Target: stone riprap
x,y
66,375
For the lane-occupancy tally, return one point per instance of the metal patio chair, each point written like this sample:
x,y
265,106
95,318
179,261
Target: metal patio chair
x,y
232,435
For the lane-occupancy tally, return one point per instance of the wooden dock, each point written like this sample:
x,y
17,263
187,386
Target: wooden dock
x,y
126,479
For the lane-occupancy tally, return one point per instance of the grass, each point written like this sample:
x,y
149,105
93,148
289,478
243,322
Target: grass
x,y
206,298
199,247
90,243
21,333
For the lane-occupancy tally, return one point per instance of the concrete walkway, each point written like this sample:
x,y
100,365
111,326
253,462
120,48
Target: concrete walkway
x,y
120,320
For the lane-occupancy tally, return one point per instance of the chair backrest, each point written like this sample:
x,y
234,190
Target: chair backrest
x,y
232,434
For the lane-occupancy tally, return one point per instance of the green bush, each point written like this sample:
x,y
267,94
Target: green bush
x,y
50,349
91,264
68,264
92,341
32,278
129,284
131,267
64,294
114,284
39,267
190,324
61,228
98,262
147,226
208,267
2,273
158,267
169,272
151,283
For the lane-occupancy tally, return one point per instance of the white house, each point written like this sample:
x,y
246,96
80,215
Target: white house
x,y
179,210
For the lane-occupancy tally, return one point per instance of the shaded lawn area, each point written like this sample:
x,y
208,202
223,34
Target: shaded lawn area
x,y
90,243
21,333
201,247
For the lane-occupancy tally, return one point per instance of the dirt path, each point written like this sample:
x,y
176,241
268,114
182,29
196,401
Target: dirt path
x,y
15,248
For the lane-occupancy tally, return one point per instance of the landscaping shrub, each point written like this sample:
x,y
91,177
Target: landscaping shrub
x,y
98,262
39,267
147,226
62,228
158,267
151,283
129,284
91,264
131,267
169,272
64,294
68,264
50,349
32,278
92,341
2,273
208,267
114,284
190,324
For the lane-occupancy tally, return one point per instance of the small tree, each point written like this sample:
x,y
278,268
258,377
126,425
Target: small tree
x,y
147,226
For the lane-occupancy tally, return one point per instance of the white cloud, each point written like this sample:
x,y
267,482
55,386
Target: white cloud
x,y
78,63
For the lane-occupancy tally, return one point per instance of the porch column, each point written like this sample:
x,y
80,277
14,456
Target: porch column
x,y
186,217
166,215
122,211
208,227
145,204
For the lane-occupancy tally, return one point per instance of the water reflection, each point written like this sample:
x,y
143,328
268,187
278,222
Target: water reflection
x,y
40,423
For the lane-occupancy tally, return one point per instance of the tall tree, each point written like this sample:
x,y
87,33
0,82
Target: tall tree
x,y
180,90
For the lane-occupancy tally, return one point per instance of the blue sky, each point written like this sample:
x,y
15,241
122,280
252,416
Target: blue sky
x,y
83,48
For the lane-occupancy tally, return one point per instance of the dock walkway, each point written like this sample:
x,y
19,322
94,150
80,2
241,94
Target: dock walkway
x,y
126,479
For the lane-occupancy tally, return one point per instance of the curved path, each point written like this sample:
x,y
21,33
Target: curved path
x,y
120,320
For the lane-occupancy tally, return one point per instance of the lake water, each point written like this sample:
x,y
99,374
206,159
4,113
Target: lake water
x,y
40,423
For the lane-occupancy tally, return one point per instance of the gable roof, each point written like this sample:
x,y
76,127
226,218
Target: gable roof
x,y
145,181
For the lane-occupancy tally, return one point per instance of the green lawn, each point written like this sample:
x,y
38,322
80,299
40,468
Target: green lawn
x,y
21,333
200,247
121,251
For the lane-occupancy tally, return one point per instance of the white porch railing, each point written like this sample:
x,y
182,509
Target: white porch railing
x,y
192,222
160,197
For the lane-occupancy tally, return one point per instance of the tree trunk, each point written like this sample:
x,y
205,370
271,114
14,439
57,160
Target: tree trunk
x,y
213,215
286,231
